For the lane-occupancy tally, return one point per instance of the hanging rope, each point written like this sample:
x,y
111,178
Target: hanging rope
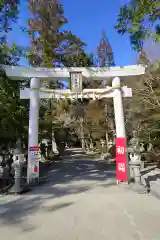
x,y
86,93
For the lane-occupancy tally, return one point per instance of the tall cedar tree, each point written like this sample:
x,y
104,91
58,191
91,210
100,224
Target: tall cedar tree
x,y
50,44
105,53
53,46
106,59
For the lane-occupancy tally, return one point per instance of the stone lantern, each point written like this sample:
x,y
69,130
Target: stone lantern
x,y
135,153
18,161
135,161
135,158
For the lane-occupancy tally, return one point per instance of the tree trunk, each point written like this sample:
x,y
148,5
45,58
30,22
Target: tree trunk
x,y
83,145
87,145
106,131
91,144
54,145
107,141
82,135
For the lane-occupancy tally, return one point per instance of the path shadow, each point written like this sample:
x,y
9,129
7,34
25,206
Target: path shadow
x,y
73,175
15,213
81,170
151,178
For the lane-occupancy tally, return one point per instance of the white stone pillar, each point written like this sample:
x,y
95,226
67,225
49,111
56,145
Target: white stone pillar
x,y
118,108
119,115
33,126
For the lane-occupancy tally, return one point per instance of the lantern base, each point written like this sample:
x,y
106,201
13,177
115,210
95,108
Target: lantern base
x,y
19,190
139,188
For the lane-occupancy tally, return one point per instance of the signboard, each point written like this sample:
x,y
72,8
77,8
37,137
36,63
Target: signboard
x,y
76,81
121,160
34,157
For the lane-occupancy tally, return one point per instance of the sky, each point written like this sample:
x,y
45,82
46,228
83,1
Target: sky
x,y
87,19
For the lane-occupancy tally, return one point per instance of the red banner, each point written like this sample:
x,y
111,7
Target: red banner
x,y
34,148
121,160
36,169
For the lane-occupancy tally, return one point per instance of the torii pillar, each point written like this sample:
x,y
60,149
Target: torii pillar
x,y
122,164
118,108
33,129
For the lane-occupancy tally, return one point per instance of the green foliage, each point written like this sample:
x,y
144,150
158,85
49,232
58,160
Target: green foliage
x,y
50,44
10,55
144,109
13,113
95,120
8,14
80,59
140,19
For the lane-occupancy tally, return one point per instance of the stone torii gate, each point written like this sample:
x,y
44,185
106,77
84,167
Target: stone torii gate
x,y
35,93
